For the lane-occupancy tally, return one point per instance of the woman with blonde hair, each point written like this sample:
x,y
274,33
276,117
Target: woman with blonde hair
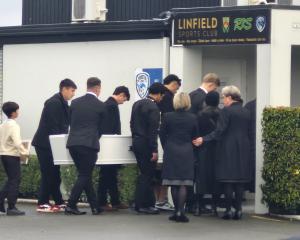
x,y
233,149
177,131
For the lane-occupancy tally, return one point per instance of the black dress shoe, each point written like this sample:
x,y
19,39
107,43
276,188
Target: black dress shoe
x,y
148,210
97,211
227,215
237,215
173,217
182,218
14,212
73,211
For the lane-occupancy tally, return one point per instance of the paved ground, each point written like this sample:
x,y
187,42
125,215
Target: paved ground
x,y
126,224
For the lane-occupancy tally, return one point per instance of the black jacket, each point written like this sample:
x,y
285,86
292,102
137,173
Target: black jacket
x,y
205,164
166,104
177,131
144,122
233,146
197,100
112,122
87,120
54,120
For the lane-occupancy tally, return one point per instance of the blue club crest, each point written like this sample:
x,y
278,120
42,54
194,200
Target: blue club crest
x,y
261,23
142,84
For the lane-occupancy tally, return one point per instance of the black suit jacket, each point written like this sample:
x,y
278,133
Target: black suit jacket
x,y
197,100
233,147
112,122
54,120
166,104
87,118
144,122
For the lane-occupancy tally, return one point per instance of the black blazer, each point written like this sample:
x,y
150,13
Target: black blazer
x,y
54,120
197,100
144,122
166,104
233,147
112,122
177,131
87,118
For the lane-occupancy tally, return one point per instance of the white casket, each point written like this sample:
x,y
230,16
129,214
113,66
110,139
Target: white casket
x,y
114,149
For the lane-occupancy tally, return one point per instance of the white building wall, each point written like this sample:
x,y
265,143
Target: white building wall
x,y
32,72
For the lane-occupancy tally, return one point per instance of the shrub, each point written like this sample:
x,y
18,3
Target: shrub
x,y
30,180
281,170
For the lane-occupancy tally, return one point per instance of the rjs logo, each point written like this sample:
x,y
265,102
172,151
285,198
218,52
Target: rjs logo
x,y
243,24
142,84
261,23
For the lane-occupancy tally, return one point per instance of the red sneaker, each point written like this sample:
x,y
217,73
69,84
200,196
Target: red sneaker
x,y
45,208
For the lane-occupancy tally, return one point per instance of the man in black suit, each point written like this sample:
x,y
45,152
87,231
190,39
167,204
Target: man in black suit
x,y
144,124
55,119
87,118
172,84
210,82
108,175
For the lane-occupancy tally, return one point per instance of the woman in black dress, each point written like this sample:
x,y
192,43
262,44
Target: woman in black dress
x,y
205,181
177,131
233,164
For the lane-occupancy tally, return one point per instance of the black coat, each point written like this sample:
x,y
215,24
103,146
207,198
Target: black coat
x,y
197,100
166,104
54,120
144,122
205,164
251,106
178,129
233,148
112,122
87,120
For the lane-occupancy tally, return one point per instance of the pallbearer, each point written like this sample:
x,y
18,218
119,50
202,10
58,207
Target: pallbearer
x,y
108,179
144,123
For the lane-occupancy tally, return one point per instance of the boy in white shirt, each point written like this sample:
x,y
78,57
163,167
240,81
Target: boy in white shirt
x,y
11,150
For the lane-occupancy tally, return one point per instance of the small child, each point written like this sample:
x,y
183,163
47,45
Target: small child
x,y
11,150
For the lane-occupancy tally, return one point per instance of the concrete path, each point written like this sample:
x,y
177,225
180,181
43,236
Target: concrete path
x,y
126,224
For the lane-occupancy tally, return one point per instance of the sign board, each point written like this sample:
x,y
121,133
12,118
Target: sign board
x,y
222,27
144,78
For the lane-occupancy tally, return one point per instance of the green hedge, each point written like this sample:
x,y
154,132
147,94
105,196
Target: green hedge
x,y
281,170
31,180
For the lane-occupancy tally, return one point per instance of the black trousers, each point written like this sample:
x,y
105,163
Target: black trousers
x,y
144,195
84,159
50,177
238,189
108,184
10,190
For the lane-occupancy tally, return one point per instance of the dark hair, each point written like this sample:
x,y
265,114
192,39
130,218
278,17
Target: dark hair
x,y
212,99
172,78
9,107
236,97
122,89
157,88
93,82
67,83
